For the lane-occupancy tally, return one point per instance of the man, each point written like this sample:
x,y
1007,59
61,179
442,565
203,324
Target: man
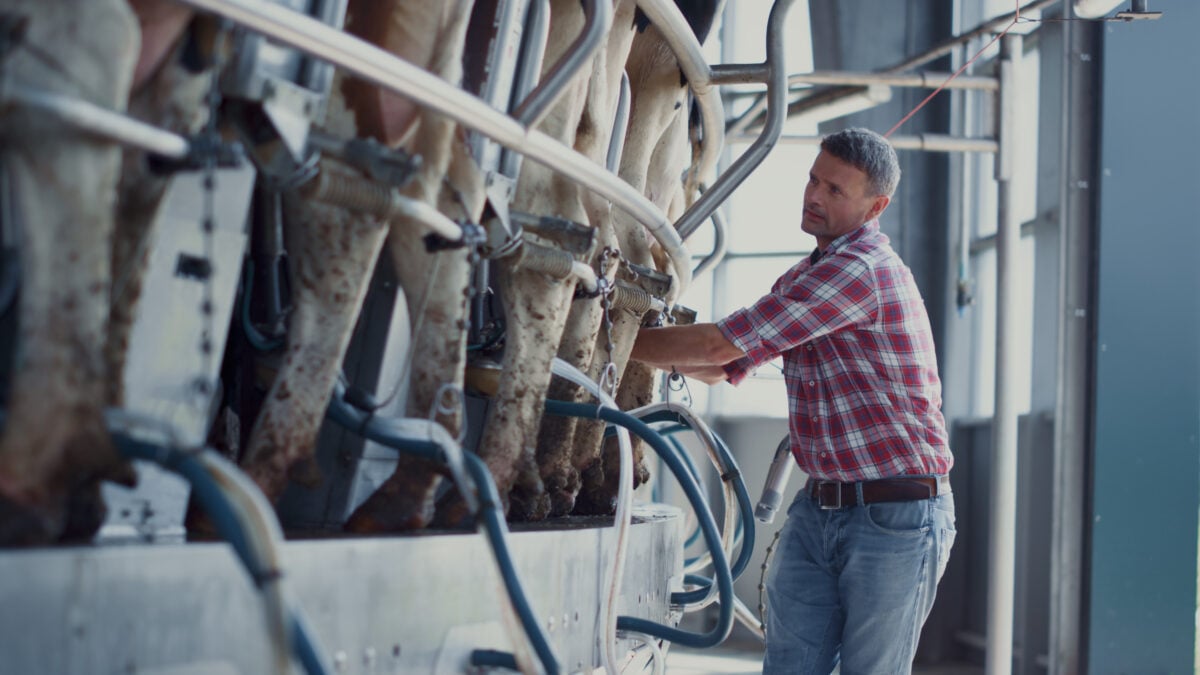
x,y
867,538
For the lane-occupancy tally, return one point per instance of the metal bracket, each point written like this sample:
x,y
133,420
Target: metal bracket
x,y
393,168
201,148
572,237
648,279
473,235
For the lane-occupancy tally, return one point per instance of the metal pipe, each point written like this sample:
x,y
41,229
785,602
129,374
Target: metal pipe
x,y
932,54
533,54
923,80
1073,413
1002,549
720,246
616,143
103,122
757,152
927,142
1094,9
598,17
740,73
399,76
669,20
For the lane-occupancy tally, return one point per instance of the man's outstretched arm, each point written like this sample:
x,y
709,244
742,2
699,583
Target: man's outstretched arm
x,y
698,350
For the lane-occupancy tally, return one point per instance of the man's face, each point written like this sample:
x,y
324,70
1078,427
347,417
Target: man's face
x,y
837,200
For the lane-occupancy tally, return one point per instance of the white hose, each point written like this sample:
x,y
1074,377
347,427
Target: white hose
x,y
657,657
608,615
263,537
704,433
250,507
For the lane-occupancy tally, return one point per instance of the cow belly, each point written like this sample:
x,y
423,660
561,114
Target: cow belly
x,y
54,441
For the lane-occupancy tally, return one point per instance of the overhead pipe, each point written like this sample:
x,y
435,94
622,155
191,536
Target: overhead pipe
x,y
1003,532
926,142
935,52
598,17
667,17
923,80
97,120
757,152
399,76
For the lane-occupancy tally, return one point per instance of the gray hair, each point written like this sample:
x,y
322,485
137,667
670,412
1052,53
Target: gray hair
x,y
868,152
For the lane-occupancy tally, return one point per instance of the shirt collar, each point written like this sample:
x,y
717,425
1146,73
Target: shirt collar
x,y
866,229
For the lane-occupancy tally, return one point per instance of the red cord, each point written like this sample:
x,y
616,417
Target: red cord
x,y
956,73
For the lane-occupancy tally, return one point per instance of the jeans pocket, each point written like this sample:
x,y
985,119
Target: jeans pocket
x,y
904,519
945,543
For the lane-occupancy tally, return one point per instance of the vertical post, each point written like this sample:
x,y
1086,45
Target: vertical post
x,y
1001,571
1073,416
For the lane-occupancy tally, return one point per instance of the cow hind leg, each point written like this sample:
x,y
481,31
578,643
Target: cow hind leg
x,y
55,442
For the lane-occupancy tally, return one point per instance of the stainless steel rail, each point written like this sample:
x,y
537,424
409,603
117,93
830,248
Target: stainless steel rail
x,y
402,77
598,21
757,152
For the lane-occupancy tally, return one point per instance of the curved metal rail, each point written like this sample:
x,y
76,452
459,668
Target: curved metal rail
x,y
598,21
399,76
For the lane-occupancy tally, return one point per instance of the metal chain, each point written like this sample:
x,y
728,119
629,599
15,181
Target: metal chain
x,y
608,376
208,222
762,582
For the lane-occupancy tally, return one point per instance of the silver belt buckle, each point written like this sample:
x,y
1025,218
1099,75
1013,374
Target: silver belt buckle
x,y
837,490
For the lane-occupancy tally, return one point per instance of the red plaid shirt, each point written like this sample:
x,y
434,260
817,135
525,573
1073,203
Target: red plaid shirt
x,y
863,388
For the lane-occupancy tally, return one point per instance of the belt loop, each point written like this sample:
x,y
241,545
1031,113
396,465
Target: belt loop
x,y
858,494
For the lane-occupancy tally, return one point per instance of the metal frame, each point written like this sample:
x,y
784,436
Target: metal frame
x,y
401,77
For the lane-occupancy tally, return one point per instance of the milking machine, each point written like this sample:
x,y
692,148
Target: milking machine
x,y
384,603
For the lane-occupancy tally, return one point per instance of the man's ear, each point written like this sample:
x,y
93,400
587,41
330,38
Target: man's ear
x,y
877,207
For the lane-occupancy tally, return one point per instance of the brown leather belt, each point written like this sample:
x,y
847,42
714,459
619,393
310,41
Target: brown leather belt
x,y
834,495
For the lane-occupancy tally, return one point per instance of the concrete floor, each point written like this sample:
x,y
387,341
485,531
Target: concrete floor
x,y
724,661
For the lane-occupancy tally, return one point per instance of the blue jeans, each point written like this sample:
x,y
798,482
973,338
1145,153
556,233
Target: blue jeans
x,y
855,584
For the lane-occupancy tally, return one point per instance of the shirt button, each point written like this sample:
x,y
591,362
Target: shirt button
x,y
814,418
810,348
812,383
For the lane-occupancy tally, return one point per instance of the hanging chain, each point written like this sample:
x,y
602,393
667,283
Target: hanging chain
x,y
208,222
608,376
762,582
676,382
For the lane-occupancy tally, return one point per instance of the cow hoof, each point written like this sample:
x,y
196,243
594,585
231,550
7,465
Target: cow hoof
x,y
198,525
23,525
595,505
452,513
562,490
85,514
529,508
385,522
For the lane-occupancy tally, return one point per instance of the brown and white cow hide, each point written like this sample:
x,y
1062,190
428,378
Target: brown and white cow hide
x,y
656,154
536,305
559,475
55,442
332,255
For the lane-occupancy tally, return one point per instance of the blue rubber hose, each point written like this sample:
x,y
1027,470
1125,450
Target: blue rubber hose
x,y
222,514
724,579
490,514
745,510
